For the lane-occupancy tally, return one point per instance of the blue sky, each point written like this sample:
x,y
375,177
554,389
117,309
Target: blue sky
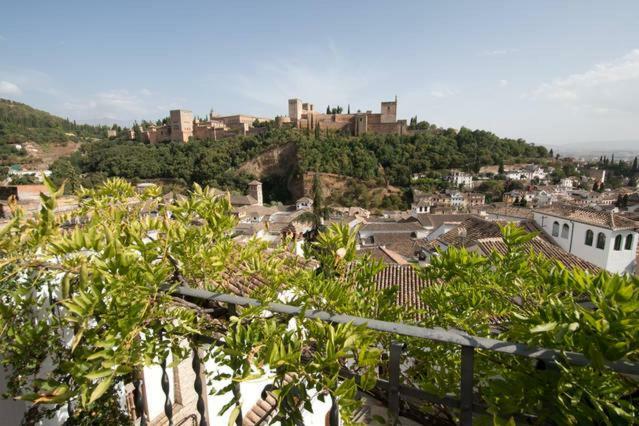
x,y
548,71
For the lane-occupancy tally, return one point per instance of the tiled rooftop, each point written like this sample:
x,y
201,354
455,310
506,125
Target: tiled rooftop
x,y
408,282
603,219
539,246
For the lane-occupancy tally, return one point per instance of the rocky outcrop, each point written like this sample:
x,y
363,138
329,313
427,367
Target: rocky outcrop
x,y
277,168
278,161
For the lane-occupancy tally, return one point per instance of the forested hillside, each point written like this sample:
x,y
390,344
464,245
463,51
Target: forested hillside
x,y
401,156
20,123
381,159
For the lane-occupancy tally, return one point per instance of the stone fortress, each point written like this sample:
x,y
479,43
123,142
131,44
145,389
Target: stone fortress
x,y
304,116
182,125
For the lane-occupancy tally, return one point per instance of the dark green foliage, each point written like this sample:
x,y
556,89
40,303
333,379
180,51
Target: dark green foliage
x,y
23,180
401,156
104,411
20,123
206,162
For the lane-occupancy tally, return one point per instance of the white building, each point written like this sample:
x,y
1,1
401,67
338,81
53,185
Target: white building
x,y
605,239
533,171
566,183
543,198
304,203
457,199
515,175
423,205
460,179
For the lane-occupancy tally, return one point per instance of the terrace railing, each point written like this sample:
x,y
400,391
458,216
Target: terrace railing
x,y
395,391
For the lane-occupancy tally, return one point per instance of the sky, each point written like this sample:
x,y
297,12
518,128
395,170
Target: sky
x,y
558,73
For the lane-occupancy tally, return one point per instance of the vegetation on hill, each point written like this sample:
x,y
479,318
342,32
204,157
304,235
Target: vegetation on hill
x,y
106,286
20,123
396,158
213,163
377,160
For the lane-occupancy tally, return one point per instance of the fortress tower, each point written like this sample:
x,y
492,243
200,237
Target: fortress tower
x,y
295,109
181,125
389,111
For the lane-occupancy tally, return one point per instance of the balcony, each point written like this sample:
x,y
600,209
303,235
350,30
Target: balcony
x,y
400,400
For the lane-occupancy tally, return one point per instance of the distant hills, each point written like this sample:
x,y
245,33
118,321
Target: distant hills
x,y
20,123
623,150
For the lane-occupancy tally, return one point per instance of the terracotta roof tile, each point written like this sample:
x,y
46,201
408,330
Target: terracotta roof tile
x,y
408,282
603,219
539,246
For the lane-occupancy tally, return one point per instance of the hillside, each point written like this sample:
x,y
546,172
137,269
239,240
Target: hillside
x,y
378,168
36,139
20,123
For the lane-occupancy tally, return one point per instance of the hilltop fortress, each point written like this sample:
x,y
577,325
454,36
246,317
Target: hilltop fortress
x,y
303,116
182,126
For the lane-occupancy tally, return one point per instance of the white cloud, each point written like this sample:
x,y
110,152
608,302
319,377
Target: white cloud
x,y
503,83
606,88
118,104
497,52
8,88
443,92
2,38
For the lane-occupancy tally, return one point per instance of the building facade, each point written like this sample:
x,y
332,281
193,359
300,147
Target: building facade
x,y
605,239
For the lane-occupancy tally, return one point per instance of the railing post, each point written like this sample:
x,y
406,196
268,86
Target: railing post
x,y
396,349
138,401
333,417
239,420
168,406
466,387
197,385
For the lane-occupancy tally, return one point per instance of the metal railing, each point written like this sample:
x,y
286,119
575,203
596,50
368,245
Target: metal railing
x,y
394,390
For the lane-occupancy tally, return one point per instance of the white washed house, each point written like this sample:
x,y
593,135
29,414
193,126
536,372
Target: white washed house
x,y
605,239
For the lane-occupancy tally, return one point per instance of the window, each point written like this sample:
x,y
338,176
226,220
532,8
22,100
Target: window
x,y
555,229
601,240
565,230
589,237
628,242
618,242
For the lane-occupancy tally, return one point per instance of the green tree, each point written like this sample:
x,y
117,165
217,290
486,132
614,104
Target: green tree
x,y
539,302
112,284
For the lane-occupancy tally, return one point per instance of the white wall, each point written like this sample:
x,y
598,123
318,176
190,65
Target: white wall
x,y
621,261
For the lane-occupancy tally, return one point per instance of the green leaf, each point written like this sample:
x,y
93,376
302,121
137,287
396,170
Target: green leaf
x,y
233,415
101,388
99,374
542,328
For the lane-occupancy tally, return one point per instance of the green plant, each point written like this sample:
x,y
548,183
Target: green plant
x,y
522,297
